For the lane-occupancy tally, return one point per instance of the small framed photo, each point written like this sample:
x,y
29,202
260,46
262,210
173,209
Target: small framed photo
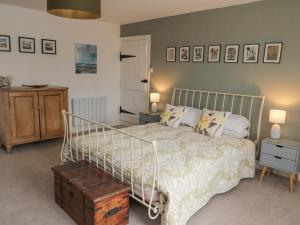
x,y
214,52
5,43
26,45
251,52
48,46
273,52
232,53
184,54
198,54
171,54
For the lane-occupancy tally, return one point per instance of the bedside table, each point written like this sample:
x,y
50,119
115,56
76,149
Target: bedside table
x,y
149,118
283,155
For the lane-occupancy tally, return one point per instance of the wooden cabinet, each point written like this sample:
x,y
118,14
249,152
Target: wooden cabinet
x,y
29,115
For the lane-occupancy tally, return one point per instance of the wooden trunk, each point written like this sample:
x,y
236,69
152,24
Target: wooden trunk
x,y
91,196
31,114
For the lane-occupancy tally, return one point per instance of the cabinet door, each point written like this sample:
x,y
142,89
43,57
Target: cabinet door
x,y
51,104
23,107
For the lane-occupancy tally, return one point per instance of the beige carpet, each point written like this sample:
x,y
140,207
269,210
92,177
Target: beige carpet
x,y
26,195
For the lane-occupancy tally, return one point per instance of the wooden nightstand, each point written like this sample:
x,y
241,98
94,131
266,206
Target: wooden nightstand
x,y
283,155
149,118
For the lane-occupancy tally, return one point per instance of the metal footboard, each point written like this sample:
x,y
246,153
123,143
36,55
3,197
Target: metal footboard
x,y
79,135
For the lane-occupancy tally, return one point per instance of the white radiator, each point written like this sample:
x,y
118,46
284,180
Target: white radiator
x,y
90,108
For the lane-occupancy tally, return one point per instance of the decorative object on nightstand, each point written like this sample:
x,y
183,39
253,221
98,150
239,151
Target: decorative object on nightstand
x,y
154,98
277,117
149,118
283,155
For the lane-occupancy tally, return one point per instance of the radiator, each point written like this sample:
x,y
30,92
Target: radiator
x,y
90,108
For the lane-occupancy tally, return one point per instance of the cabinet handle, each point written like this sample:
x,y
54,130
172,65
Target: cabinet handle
x,y
279,146
277,157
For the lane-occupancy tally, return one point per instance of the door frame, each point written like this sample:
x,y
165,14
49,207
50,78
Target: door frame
x,y
148,40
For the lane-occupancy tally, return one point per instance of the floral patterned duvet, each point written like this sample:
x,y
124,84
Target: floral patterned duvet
x,y
192,167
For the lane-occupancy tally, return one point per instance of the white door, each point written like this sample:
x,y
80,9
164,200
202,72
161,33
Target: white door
x,y
135,71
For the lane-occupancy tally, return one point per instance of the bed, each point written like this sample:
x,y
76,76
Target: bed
x,y
173,172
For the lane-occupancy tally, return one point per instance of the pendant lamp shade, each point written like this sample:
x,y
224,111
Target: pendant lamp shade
x,y
75,9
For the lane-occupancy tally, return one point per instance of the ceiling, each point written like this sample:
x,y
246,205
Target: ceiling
x,y
129,11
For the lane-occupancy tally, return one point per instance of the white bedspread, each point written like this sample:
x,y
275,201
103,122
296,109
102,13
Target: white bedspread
x,y
193,168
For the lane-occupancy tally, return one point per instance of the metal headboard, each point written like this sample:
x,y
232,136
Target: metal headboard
x,y
250,106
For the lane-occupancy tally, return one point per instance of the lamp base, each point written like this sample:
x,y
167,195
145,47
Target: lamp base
x,y
154,107
275,132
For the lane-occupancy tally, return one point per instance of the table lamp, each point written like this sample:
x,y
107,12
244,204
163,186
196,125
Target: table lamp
x,y
277,117
154,98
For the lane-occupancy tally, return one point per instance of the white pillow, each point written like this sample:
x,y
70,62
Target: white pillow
x,y
237,124
192,116
231,133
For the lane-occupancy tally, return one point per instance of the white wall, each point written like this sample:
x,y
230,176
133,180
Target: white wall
x,y
60,69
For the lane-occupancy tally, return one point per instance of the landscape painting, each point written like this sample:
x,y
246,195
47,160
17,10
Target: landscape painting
x,y
85,59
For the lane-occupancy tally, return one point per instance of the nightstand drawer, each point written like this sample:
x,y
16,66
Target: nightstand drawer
x,y
281,151
277,163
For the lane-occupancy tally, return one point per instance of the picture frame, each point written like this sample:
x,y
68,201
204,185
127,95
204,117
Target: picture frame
x,y
214,53
48,46
198,53
26,45
86,58
5,45
272,52
232,53
184,54
171,54
251,53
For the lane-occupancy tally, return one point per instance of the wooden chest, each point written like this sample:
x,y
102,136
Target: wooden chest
x,y
91,196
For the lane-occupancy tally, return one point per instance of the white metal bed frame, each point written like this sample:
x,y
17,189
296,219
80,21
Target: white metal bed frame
x,y
82,128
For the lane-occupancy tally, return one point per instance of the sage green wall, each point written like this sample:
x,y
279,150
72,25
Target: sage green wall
x,y
260,22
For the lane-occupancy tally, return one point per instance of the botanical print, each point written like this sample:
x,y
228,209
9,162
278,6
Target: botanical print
x,y
173,116
212,123
26,45
171,54
251,53
5,43
86,58
232,53
198,55
184,54
214,53
48,46
272,52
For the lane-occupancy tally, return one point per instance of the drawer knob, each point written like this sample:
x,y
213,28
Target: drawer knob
x,y
277,157
279,146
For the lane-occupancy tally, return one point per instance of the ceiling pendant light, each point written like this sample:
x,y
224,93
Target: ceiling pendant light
x,y
75,9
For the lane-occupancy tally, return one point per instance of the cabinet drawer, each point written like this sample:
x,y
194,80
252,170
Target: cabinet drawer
x,y
277,163
281,151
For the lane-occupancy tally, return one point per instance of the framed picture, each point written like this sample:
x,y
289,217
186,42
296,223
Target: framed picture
x,y
251,52
26,45
5,43
273,52
231,53
171,54
48,46
184,54
198,54
85,59
214,52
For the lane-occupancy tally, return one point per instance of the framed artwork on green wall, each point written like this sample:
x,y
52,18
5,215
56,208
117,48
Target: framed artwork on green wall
x,y
184,54
171,54
273,52
232,53
251,52
198,53
214,52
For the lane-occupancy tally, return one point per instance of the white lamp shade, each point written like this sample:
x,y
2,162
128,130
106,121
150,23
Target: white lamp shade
x,y
154,97
277,116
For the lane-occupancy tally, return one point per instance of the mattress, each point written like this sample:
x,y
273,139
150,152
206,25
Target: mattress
x,y
192,167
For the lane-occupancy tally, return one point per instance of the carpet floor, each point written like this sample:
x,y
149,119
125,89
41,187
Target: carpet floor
x,y
27,195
